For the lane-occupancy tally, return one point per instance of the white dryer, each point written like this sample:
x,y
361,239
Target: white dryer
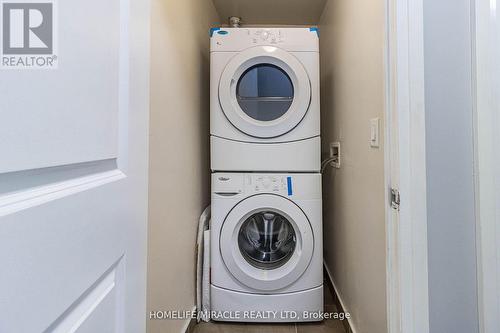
x,y
265,107
266,247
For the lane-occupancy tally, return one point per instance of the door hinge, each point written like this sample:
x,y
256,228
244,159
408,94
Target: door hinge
x,y
395,199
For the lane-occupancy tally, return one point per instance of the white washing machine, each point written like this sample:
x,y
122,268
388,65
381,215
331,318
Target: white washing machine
x,y
265,107
266,247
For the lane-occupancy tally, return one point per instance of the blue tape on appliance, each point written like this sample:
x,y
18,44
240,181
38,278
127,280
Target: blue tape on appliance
x,y
314,29
212,30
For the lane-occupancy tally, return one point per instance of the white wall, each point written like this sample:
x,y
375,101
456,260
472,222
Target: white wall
x,y
450,182
352,72
179,163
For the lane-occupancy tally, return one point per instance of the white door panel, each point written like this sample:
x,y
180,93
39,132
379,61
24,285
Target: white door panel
x,y
94,323
69,115
92,312
55,253
73,177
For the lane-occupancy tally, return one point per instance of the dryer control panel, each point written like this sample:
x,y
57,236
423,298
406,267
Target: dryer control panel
x,y
271,36
237,39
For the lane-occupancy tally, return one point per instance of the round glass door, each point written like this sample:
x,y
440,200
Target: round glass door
x,y
267,240
264,92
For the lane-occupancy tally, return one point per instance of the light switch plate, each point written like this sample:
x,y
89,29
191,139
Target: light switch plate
x,y
375,132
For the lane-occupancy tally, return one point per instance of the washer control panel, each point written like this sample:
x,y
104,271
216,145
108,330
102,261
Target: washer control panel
x,y
236,185
269,184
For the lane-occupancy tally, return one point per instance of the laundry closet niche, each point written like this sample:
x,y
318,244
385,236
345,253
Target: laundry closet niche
x,y
352,95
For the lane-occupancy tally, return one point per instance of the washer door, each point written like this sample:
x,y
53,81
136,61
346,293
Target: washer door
x,y
266,242
265,91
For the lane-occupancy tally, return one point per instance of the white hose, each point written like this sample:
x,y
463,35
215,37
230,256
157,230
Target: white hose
x,y
205,282
202,226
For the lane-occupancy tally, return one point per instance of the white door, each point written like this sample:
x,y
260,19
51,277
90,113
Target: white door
x,y
73,169
266,242
487,160
265,91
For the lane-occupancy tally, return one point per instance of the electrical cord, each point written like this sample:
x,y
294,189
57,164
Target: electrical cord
x,y
325,163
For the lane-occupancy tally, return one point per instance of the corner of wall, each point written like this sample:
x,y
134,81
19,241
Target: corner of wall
x,y
179,150
352,89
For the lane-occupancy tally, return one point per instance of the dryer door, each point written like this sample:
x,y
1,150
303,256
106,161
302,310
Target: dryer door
x,y
266,242
265,91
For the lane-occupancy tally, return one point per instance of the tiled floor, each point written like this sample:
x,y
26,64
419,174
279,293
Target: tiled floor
x,y
327,326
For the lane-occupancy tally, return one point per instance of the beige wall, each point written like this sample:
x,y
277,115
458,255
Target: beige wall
x,y
275,12
179,165
352,78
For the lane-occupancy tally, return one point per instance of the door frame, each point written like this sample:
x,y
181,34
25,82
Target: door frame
x,y
405,158
486,38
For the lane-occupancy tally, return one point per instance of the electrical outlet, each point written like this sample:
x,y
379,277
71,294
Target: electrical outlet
x,y
335,154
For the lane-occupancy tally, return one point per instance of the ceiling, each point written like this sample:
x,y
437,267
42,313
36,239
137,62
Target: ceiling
x,y
272,12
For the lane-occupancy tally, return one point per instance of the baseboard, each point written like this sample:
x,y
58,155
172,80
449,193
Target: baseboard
x,y
348,324
190,324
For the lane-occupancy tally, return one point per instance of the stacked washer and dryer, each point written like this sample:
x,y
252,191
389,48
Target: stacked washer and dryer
x,y
266,228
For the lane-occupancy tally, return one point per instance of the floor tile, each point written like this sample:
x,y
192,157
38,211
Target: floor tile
x,y
327,326
270,328
218,327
